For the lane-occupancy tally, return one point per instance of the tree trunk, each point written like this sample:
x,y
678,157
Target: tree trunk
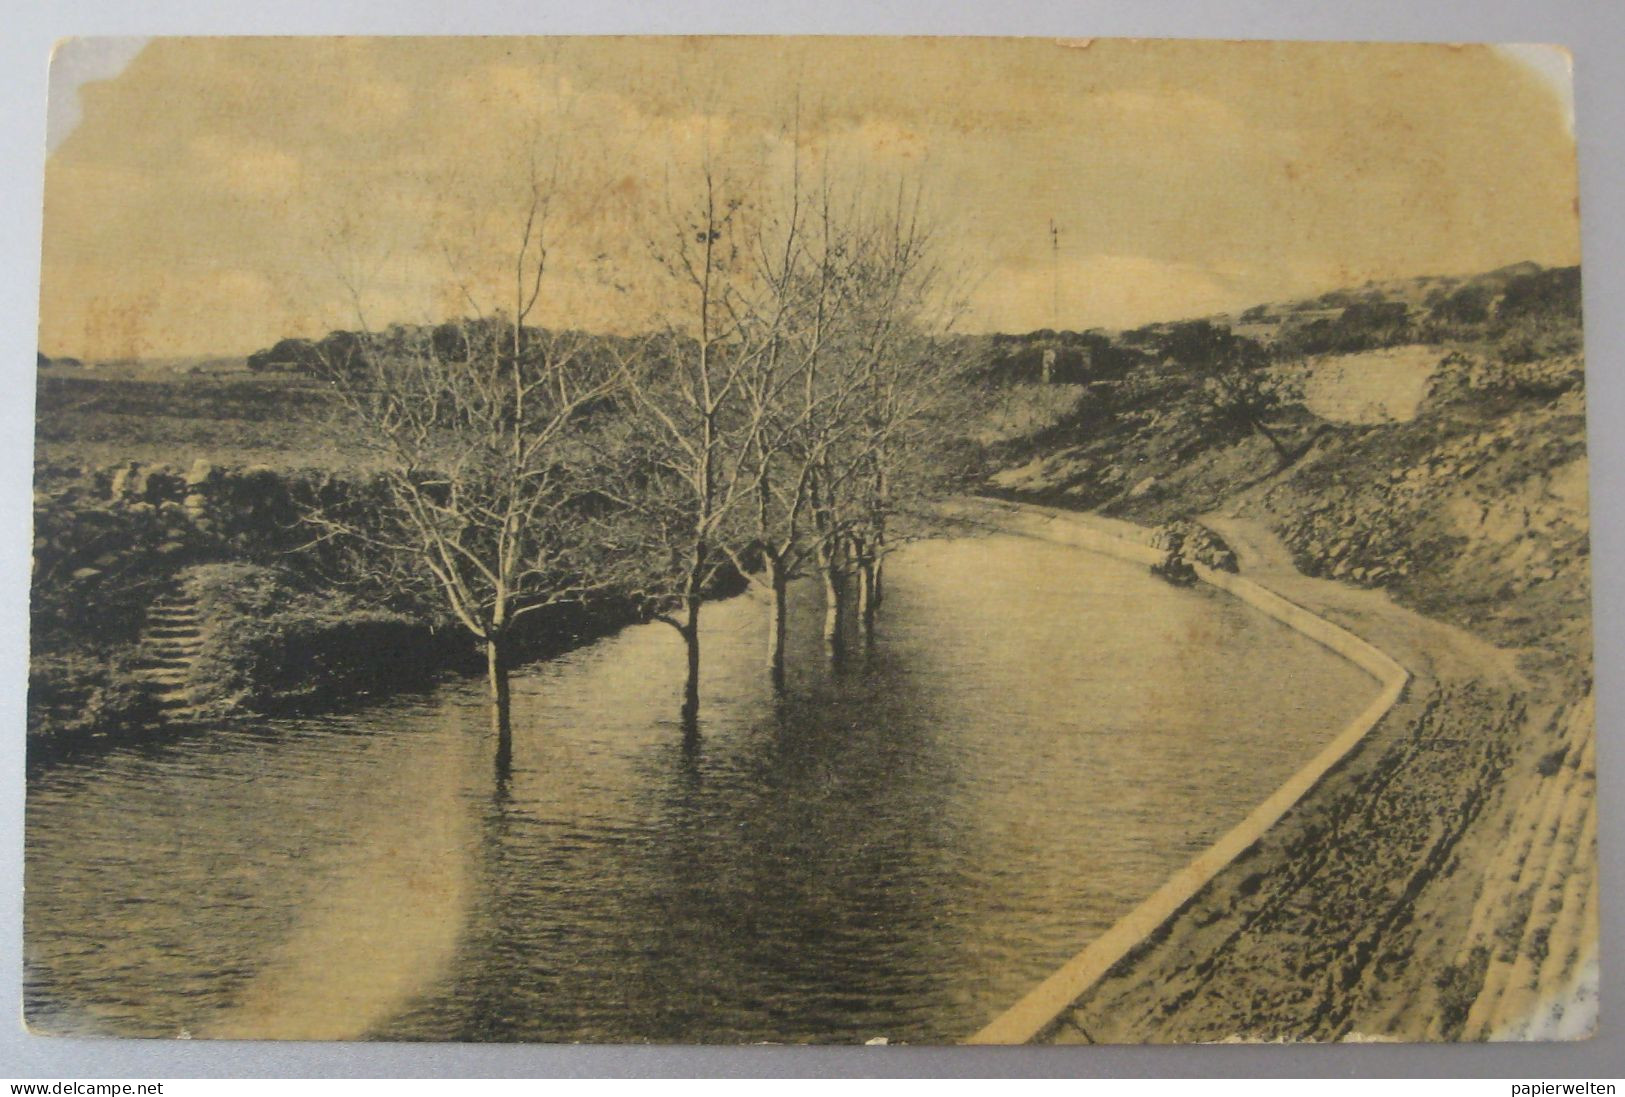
x,y
832,603
877,547
776,610
496,667
868,599
1281,452
691,684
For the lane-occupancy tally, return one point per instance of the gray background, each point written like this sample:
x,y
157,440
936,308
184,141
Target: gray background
x,y
1593,29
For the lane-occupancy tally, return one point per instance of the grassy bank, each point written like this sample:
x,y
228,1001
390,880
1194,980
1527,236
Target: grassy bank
x,y
270,640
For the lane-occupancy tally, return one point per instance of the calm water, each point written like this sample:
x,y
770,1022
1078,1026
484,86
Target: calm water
x,y
902,847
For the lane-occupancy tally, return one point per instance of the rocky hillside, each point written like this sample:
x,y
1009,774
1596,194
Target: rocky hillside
x,y
1467,501
1426,485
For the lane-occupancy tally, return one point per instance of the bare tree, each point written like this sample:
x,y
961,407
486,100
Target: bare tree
x,y
775,408
689,418
894,365
800,401
1243,391
483,431
828,316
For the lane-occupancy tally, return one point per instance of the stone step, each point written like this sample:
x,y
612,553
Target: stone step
x,y
172,640
1572,933
1520,997
181,631
185,651
188,644
165,665
160,662
1508,983
1534,829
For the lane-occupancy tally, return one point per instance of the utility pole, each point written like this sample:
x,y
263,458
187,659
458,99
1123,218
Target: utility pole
x,y
1055,276
1055,299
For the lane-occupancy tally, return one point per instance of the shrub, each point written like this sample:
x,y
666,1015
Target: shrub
x,y
1468,305
1548,295
268,644
72,694
1532,342
1361,326
295,355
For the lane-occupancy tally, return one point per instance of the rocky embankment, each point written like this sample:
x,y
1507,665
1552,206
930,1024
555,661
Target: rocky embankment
x,y
106,535
1441,883
129,634
1474,511
1185,544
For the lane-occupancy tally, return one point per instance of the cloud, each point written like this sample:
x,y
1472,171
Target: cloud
x,y
1185,177
200,310
1140,111
245,167
877,140
375,103
503,87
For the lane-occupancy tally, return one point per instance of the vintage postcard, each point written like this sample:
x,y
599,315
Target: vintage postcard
x,y
810,540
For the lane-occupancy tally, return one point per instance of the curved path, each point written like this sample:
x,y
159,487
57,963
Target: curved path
x,y
1364,911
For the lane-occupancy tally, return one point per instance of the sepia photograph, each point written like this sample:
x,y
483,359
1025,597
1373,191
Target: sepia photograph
x,y
810,540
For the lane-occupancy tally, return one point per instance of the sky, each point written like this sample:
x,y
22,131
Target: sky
x,y
210,196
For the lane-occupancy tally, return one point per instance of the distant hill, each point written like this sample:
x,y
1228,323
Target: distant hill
x,y
147,369
1525,310
1420,295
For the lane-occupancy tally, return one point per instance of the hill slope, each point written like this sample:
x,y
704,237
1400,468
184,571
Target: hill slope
x,y
1433,494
